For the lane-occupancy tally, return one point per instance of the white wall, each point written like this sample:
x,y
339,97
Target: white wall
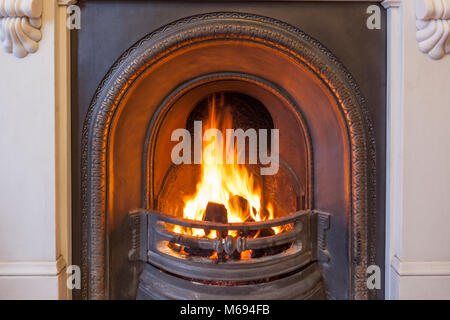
x,y
419,194
31,258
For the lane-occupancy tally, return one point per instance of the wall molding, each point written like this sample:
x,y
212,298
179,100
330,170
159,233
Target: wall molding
x,y
20,24
433,27
32,268
394,134
420,268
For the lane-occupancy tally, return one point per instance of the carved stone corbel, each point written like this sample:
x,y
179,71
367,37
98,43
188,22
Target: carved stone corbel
x,y
433,27
20,24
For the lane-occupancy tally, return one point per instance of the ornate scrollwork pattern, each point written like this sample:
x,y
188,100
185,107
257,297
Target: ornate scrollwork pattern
x,y
20,24
433,27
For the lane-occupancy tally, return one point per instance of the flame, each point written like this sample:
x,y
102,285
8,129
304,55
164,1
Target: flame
x,y
223,183
278,229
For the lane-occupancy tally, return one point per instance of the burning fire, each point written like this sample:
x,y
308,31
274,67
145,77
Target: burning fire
x,y
230,185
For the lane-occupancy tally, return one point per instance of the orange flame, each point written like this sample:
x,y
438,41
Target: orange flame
x,y
221,183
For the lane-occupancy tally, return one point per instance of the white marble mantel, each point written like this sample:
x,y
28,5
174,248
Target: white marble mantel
x,y
418,175
35,229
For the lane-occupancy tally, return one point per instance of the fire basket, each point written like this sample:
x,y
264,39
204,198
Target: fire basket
x,y
182,266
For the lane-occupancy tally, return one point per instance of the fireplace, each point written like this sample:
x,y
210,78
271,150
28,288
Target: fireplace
x,y
223,226
291,216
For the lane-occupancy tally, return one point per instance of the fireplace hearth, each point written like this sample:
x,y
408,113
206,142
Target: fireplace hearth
x,y
166,220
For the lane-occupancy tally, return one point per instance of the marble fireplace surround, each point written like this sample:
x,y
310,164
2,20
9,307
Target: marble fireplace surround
x,y
417,107
20,23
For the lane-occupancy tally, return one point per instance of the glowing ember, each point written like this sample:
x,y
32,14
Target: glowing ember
x,y
245,255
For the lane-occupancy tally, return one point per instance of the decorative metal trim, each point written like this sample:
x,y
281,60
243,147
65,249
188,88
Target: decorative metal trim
x,y
433,27
20,24
137,222
323,225
225,25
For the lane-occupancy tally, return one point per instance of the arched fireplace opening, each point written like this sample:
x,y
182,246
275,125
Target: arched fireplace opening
x,y
322,194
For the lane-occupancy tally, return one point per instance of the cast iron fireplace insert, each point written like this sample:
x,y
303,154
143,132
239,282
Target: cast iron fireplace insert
x,y
310,232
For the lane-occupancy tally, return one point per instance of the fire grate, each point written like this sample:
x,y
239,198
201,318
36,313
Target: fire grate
x,y
152,241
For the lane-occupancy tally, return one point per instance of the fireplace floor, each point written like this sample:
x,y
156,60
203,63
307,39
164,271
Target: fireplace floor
x,y
306,284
